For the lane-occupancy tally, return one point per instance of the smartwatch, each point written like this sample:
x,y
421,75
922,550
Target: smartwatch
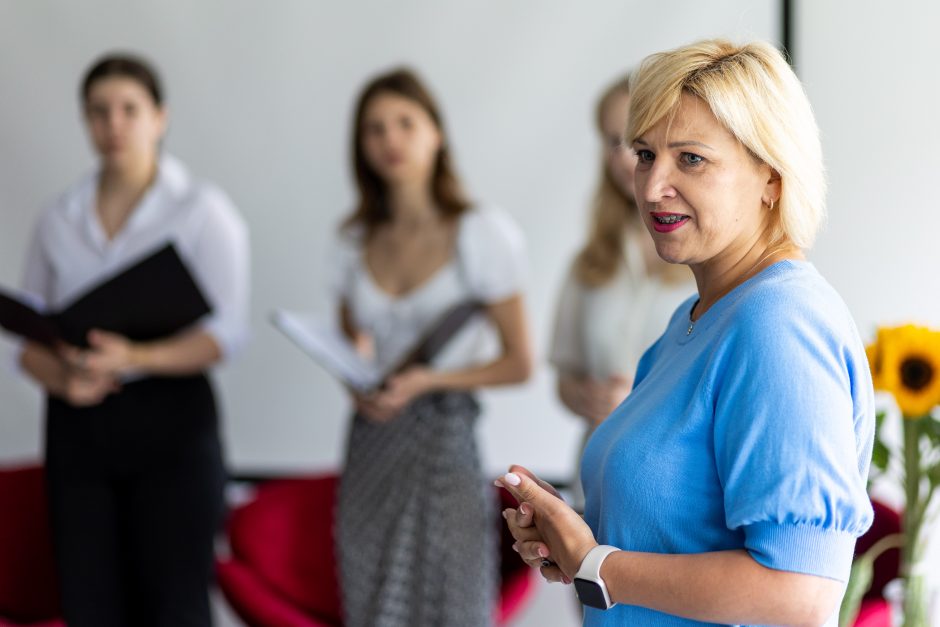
x,y
588,583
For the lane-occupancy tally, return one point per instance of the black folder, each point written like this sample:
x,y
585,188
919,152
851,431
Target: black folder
x,y
153,298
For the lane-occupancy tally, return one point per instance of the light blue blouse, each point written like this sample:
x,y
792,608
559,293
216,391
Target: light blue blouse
x,y
753,430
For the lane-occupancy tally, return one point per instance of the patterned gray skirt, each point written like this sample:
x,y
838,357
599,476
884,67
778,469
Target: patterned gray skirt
x,y
416,528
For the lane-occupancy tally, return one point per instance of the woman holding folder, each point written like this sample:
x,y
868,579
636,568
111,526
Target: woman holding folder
x,y
415,249
133,457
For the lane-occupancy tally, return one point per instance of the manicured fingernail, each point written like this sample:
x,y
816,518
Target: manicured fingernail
x,y
515,547
498,484
543,552
565,580
523,510
512,479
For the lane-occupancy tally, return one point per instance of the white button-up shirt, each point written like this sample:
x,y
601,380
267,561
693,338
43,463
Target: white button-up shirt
x,y
70,252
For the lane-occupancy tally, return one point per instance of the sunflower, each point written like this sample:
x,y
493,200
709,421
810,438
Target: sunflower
x,y
873,352
906,362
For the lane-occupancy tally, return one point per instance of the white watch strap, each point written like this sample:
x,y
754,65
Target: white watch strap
x,y
591,566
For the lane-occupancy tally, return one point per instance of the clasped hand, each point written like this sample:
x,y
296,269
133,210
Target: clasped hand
x,y
549,534
399,390
91,374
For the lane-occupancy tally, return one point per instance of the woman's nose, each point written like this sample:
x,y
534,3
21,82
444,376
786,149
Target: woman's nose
x,y
655,184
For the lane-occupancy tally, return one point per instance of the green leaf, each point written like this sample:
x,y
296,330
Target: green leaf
x,y
880,455
933,473
931,427
860,577
859,581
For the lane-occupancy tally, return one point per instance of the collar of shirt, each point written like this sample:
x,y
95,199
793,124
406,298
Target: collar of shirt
x,y
171,184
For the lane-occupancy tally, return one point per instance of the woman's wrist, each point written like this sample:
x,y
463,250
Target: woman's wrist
x,y
139,357
435,381
56,381
613,571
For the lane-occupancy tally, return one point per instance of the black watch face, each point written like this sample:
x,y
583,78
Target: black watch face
x,y
590,593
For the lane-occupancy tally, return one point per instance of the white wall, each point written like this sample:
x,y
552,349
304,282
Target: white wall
x,y
870,71
260,97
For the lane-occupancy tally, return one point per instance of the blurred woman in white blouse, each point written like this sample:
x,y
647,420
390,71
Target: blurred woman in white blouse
x,y
618,294
413,249
134,464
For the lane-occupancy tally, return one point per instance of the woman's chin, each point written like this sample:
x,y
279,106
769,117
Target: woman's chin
x,y
670,254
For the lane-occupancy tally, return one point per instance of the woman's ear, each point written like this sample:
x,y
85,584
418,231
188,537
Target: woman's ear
x,y
773,187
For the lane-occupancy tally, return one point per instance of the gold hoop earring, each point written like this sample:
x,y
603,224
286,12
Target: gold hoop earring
x,y
771,204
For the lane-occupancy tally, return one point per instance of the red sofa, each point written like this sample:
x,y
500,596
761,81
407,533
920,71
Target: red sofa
x,y
28,592
282,569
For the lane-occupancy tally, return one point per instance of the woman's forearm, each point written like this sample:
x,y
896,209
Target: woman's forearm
x,y
506,370
568,392
720,587
180,355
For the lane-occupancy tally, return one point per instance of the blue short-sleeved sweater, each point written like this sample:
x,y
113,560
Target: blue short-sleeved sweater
x,y
753,431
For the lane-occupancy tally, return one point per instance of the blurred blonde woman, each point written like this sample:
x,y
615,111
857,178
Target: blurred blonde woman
x,y
618,295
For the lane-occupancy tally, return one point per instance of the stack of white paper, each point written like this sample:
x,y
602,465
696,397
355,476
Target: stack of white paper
x,y
329,347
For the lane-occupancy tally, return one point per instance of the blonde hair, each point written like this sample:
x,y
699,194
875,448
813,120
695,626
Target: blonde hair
x,y
753,92
613,213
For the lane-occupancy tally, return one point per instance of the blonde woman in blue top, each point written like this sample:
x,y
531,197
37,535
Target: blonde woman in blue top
x,y
729,486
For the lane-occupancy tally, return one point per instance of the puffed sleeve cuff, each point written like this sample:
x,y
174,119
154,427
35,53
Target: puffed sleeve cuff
x,y
230,341
493,252
806,549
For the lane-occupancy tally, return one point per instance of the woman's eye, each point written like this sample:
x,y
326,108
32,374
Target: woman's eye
x,y
645,156
690,158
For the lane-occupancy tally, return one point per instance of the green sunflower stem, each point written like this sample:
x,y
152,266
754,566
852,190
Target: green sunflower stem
x,y
915,597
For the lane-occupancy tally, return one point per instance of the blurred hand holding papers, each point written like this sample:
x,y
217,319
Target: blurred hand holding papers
x,y
328,345
152,298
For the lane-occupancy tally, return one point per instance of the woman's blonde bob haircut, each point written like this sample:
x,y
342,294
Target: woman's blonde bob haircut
x,y
752,91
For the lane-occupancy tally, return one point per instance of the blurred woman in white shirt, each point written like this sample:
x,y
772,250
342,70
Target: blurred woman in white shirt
x,y
134,464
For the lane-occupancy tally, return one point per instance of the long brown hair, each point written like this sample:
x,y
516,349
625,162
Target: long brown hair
x,y
373,209
614,214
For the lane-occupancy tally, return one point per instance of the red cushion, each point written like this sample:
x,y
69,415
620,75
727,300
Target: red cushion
x,y
283,571
255,602
516,577
874,613
28,591
285,537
